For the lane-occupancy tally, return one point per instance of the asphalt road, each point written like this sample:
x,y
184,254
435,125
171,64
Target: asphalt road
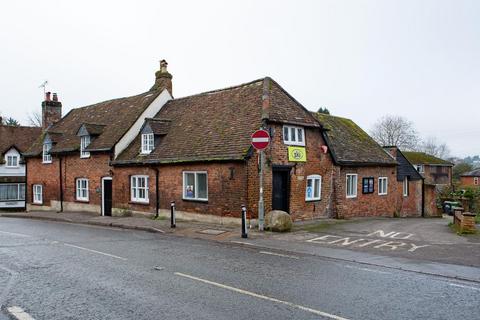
x,y
63,271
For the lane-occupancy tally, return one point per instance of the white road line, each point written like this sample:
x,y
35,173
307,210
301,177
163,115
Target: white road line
x,y
279,255
245,243
158,230
95,251
256,295
465,287
16,234
19,313
367,269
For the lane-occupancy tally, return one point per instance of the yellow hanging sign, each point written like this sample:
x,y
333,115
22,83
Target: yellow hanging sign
x,y
297,154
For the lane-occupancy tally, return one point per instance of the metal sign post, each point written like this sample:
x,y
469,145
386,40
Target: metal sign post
x,y
260,141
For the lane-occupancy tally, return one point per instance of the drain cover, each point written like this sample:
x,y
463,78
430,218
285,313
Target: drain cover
x,y
212,231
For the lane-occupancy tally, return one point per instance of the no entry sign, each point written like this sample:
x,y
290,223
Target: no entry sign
x,y
260,139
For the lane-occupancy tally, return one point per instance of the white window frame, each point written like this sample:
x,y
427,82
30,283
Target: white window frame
x,y
12,156
355,185
84,142
80,189
46,156
37,191
148,143
475,181
196,173
420,168
314,177
19,197
135,189
405,187
287,139
382,185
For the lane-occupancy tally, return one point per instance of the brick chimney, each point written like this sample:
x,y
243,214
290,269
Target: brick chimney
x,y
163,79
51,110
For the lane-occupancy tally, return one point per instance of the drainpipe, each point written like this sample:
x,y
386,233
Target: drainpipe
x,y
156,193
61,182
423,198
26,184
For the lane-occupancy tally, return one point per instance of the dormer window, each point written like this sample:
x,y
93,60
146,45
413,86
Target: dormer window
x,y
293,135
147,143
47,146
84,142
12,161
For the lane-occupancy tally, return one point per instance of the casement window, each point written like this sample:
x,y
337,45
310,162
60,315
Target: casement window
x,y
82,189
12,192
147,143
195,185
37,193
405,187
382,186
47,157
139,189
314,188
352,180
12,161
84,142
368,185
420,168
475,181
293,135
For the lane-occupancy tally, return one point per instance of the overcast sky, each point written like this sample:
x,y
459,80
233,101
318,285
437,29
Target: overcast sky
x,y
360,59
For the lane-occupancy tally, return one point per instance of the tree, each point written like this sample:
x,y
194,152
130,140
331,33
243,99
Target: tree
x,y
11,122
432,146
323,110
397,131
35,119
460,169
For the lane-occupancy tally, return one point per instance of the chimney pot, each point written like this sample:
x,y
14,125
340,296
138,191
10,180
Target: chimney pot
x,y
163,66
55,97
47,96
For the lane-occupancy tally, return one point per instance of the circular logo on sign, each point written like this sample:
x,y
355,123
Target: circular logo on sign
x,y
297,154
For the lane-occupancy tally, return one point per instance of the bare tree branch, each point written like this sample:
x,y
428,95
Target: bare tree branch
x,y
395,131
34,119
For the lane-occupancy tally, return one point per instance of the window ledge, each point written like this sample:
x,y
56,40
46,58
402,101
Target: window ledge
x,y
37,203
313,200
82,201
195,200
351,197
145,203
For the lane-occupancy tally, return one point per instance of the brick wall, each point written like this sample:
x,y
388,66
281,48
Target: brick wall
x,y
469,182
317,163
46,175
437,174
410,205
369,204
226,188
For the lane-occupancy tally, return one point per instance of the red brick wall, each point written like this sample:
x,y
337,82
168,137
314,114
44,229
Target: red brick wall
x,y
437,174
412,204
469,182
226,188
369,204
317,163
45,174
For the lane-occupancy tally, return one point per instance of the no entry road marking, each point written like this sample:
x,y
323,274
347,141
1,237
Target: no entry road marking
x,y
16,234
95,251
260,296
19,314
279,254
367,269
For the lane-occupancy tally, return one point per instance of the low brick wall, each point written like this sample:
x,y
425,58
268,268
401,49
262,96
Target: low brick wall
x,y
464,222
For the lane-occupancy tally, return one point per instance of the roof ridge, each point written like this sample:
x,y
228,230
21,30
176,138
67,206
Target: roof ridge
x,y
21,127
114,99
220,90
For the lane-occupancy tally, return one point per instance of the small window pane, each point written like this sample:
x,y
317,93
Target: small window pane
x,y
189,185
285,134
316,189
294,137
300,135
202,185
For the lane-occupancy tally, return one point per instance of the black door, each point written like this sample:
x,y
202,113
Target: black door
x,y
281,188
107,197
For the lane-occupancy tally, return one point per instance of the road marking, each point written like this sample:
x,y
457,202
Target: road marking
x,y
95,251
367,269
158,230
256,295
465,287
19,313
246,243
279,254
16,234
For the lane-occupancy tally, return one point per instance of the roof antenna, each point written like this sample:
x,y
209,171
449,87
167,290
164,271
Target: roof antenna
x,y
44,85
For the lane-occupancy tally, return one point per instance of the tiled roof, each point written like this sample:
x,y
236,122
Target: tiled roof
x,y
424,158
350,145
19,137
111,118
217,125
473,173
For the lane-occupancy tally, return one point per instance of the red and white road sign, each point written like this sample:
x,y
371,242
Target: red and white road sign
x,y
260,139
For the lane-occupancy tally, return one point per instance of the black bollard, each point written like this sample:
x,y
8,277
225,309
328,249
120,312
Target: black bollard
x,y
172,215
244,222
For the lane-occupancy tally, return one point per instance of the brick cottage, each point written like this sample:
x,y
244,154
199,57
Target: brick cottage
x,y
137,154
